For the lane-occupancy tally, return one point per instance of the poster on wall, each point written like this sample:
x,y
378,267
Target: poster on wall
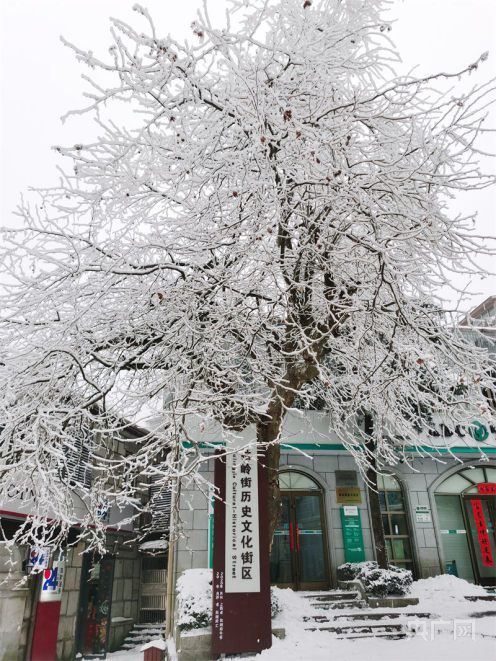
x,y
351,524
347,489
38,558
423,515
52,582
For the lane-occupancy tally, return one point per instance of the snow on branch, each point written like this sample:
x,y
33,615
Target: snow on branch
x,y
266,233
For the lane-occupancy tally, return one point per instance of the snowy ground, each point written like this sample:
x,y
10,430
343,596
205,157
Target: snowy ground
x,y
454,634
448,637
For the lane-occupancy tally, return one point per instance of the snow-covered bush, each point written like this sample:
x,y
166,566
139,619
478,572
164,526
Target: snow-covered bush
x,y
376,581
194,600
275,604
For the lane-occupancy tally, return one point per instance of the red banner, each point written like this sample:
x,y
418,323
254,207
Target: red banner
x,y
486,489
483,537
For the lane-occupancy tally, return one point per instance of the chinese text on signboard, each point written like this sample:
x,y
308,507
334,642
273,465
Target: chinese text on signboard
x,y
242,526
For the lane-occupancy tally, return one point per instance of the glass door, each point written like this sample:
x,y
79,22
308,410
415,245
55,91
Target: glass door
x,y
310,547
480,512
281,557
94,605
299,551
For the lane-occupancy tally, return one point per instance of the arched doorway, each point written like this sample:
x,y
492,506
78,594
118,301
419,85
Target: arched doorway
x,y
299,557
466,509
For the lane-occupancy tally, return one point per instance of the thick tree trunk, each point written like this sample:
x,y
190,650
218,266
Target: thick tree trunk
x,y
374,502
266,434
376,519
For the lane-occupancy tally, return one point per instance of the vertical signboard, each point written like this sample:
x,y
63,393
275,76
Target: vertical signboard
x,y
46,624
242,523
241,589
354,550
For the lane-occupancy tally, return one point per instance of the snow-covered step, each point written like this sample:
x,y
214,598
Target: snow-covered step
x,y
150,625
145,632
361,629
388,635
141,634
338,605
338,595
377,615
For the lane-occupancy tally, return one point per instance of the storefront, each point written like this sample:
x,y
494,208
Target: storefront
x,y
438,509
466,511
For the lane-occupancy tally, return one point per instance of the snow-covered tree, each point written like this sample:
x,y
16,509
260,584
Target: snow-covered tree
x,y
262,223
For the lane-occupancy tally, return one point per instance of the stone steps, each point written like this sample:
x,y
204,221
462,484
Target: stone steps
x,y
374,615
337,596
359,621
389,636
339,605
362,629
141,634
359,617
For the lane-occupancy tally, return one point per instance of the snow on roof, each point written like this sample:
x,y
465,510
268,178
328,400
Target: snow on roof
x,y
154,545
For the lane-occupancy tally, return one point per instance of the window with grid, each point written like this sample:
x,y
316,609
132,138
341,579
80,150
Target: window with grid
x,y
395,522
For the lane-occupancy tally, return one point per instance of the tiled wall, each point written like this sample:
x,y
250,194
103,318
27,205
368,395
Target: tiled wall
x,y
416,479
125,595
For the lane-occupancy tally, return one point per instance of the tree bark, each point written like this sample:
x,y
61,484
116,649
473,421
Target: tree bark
x,y
266,434
374,502
376,519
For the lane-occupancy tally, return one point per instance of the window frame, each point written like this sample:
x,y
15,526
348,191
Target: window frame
x,y
383,490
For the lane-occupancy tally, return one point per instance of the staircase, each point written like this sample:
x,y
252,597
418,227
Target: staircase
x,y
141,634
359,621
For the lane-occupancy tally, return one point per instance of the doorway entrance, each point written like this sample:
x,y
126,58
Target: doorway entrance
x,y
466,508
299,558
94,605
480,512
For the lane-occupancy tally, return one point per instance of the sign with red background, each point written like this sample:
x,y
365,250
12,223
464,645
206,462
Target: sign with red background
x,y
486,489
482,536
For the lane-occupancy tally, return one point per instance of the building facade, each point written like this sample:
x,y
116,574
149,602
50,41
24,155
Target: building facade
x,y
432,505
80,602
438,503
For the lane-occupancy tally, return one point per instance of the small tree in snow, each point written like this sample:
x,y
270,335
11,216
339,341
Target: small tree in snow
x,y
268,227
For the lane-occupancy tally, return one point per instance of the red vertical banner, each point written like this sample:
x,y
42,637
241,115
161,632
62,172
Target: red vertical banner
x,y
241,621
482,536
46,623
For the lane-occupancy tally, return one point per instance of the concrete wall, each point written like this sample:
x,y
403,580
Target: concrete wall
x,y
125,595
417,479
70,603
13,603
192,545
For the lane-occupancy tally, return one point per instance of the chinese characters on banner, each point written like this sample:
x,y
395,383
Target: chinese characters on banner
x,y
483,537
486,489
242,537
241,585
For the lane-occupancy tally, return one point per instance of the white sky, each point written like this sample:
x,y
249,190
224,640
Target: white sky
x,y
40,79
